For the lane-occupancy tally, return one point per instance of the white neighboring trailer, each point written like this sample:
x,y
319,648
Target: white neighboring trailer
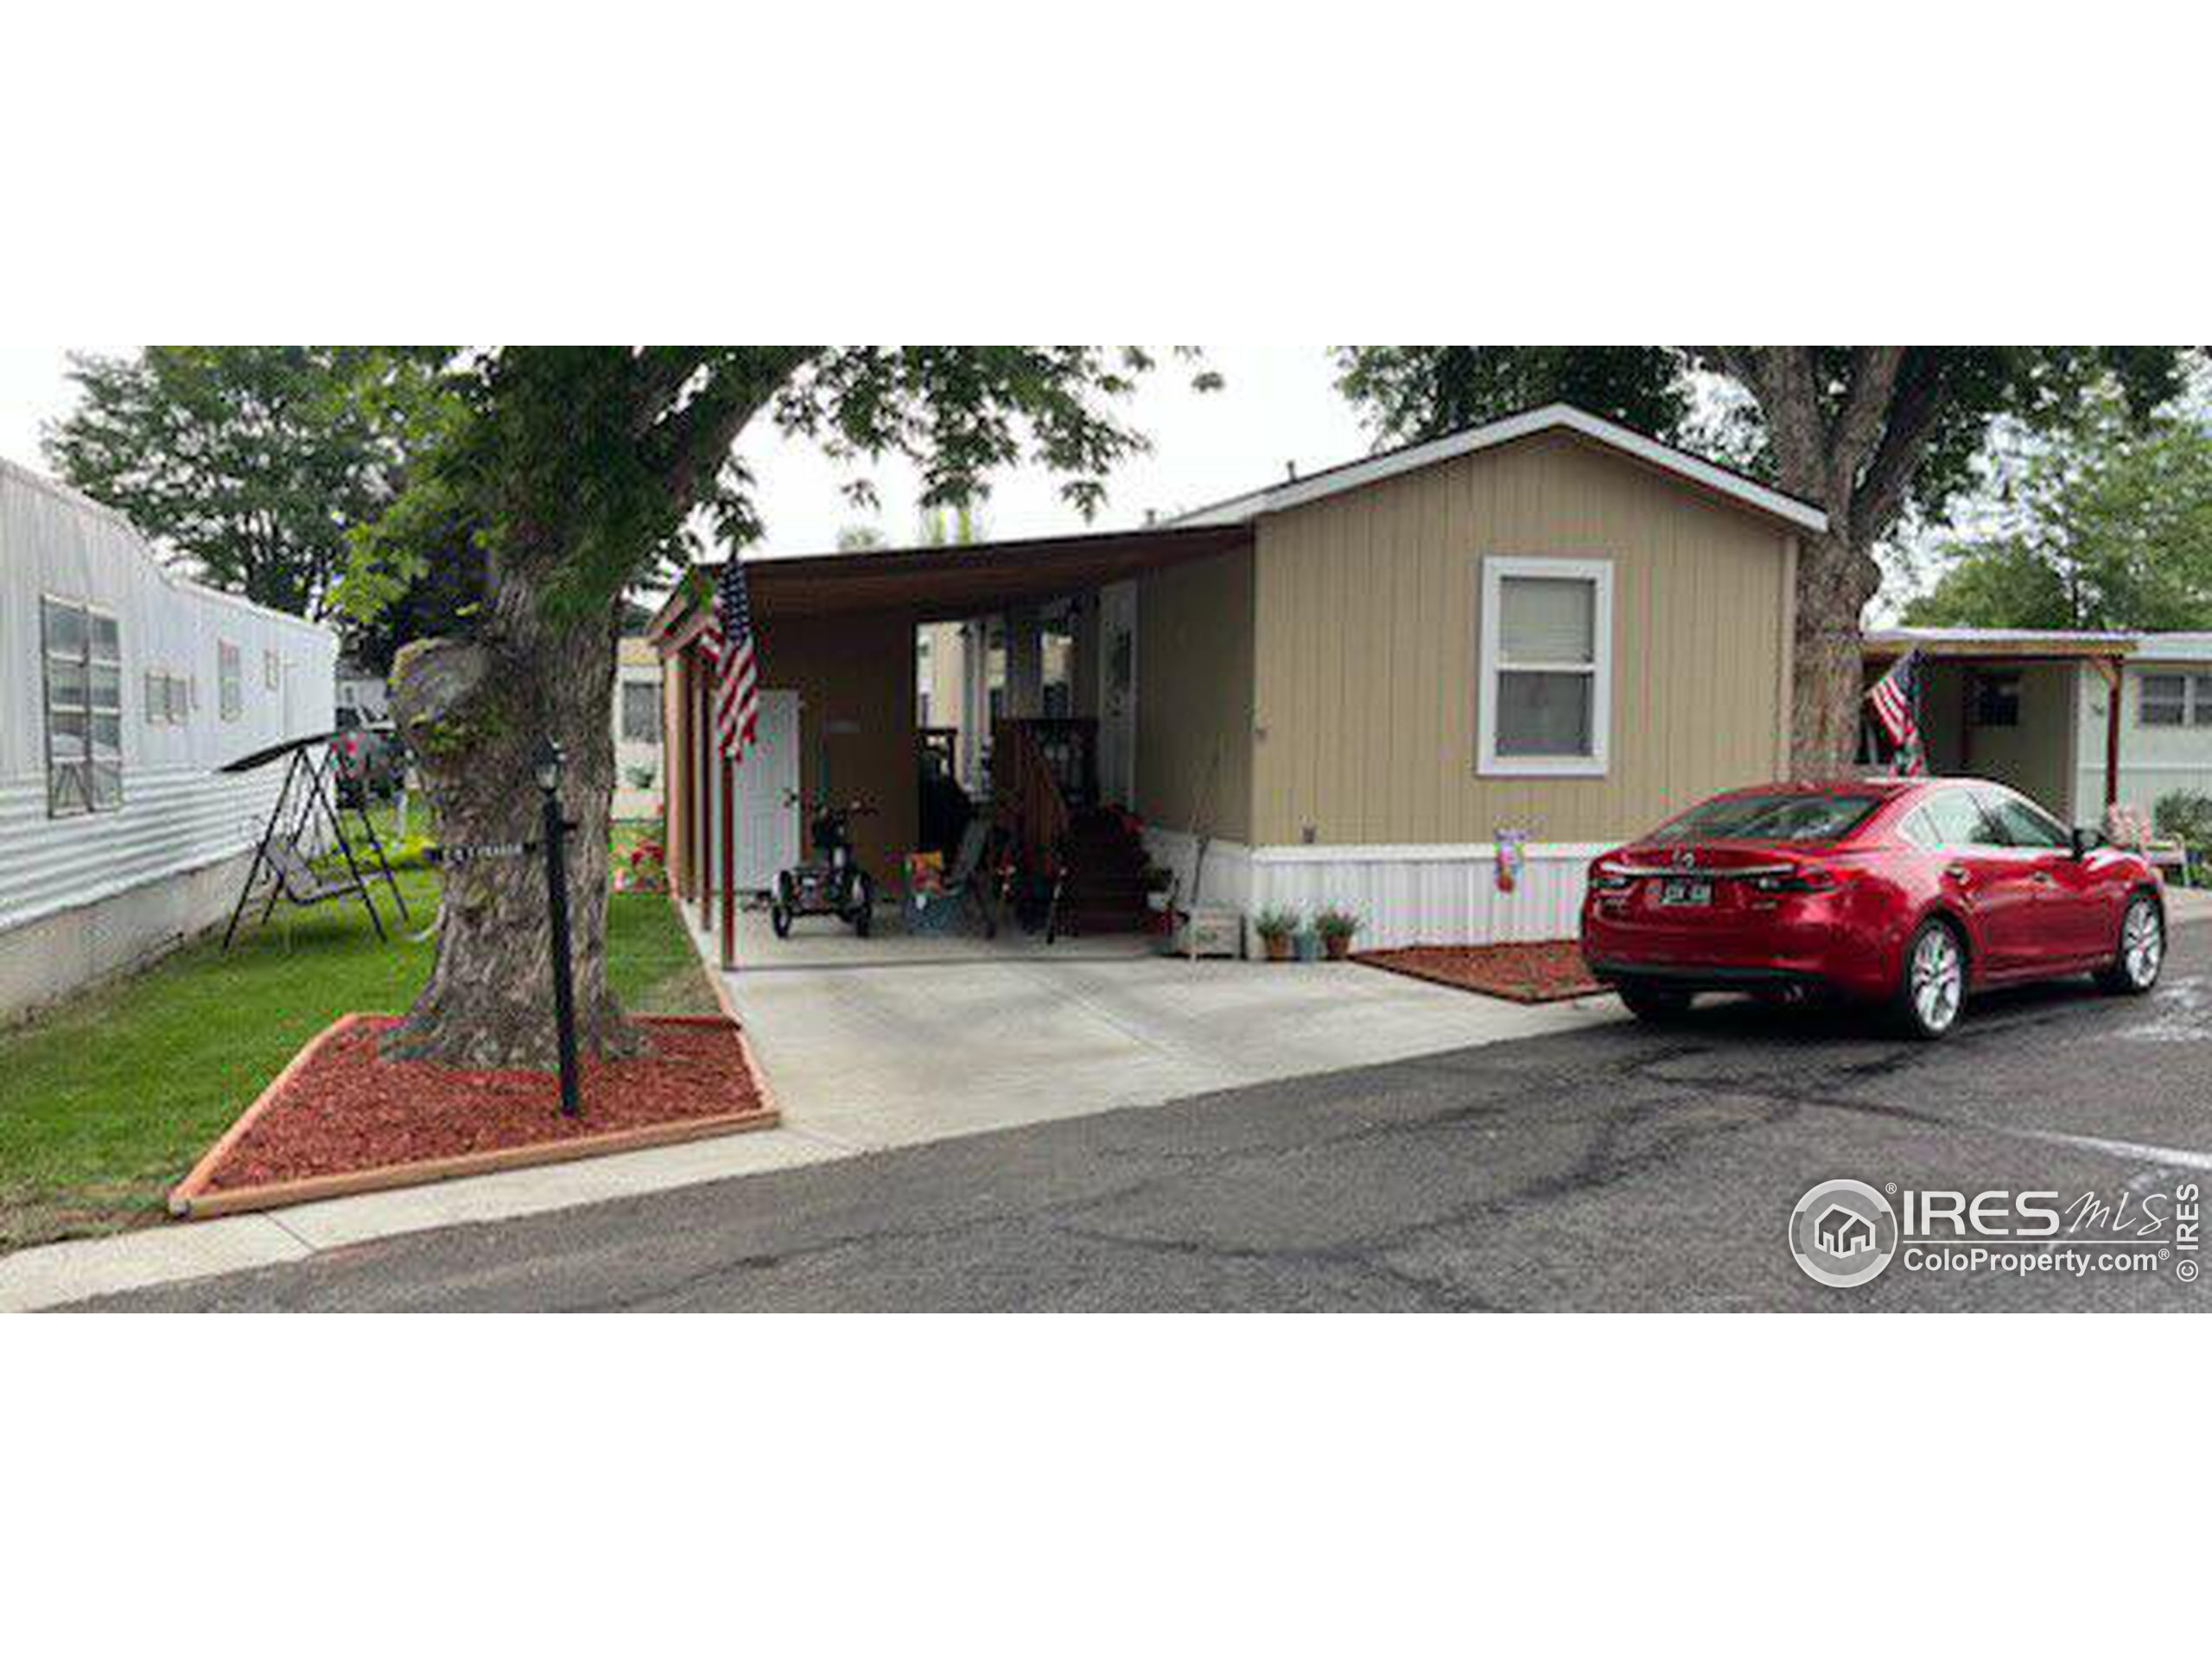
x,y
122,688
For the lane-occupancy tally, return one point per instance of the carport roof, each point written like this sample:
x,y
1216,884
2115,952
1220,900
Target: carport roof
x,y
2024,643
945,583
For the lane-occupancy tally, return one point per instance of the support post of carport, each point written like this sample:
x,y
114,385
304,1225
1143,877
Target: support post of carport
x,y
729,859
703,762
2109,670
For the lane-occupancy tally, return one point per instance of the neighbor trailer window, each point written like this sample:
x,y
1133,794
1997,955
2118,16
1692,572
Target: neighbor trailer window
x,y
83,652
2177,700
1547,644
640,712
230,689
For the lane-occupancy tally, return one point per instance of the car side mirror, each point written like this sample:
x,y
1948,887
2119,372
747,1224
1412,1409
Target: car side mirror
x,y
2086,840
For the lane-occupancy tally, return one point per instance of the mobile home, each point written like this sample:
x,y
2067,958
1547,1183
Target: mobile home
x,y
1427,686
123,688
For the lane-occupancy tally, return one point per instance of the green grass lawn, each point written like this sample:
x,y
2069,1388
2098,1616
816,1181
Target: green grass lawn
x,y
107,1102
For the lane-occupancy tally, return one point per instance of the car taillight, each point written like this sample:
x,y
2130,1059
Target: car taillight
x,y
1805,881
1603,879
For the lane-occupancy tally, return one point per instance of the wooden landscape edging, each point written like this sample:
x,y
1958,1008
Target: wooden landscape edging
x,y
191,1200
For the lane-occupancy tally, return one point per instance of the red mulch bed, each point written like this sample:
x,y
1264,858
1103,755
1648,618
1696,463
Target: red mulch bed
x,y
1549,971
347,1109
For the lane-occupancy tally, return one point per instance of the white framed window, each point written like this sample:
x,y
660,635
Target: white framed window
x,y
229,680
1544,696
2176,700
82,649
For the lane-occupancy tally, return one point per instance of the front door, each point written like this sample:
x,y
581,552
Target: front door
x,y
1117,693
768,817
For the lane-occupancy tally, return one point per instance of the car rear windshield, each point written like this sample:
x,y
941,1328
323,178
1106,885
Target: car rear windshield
x,y
1771,817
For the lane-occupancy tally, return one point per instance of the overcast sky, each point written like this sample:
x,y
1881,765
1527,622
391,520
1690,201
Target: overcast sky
x,y
1279,405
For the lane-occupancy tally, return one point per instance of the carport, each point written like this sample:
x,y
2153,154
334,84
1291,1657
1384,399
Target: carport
x,y
2039,711
836,641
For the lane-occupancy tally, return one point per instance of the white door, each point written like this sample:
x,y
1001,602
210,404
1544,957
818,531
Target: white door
x,y
1117,693
767,819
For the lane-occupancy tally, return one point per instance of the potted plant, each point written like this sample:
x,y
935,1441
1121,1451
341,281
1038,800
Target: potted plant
x,y
1277,928
1337,928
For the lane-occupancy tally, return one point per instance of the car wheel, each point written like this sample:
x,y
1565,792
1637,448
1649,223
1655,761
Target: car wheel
x,y
1658,1003
2142,953
1934,987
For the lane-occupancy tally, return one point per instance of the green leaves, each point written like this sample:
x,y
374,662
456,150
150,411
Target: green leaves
x,y
594,469
2113,528
1412,392
250,463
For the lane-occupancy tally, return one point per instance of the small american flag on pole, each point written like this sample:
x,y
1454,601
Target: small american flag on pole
x,y
1896,702
737,678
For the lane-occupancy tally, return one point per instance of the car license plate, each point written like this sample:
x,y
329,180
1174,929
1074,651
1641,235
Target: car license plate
x,y
1685,892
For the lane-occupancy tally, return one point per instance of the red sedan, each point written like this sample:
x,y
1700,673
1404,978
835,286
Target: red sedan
x,y
1908,892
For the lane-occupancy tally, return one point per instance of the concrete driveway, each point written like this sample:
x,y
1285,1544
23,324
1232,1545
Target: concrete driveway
x,y
897,1040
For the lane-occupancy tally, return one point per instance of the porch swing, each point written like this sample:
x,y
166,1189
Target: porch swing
x,y
307,806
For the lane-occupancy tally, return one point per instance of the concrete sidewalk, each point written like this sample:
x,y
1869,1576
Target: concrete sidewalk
x,y
890,1042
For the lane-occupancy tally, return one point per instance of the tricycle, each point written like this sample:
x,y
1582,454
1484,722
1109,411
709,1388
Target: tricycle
x,y
831,883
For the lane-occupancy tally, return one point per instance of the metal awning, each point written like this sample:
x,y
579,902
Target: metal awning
x,y
939,584
1993,644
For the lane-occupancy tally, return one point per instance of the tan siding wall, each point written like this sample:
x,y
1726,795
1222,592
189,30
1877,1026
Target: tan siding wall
x,y
855,672
1194,695
1368,646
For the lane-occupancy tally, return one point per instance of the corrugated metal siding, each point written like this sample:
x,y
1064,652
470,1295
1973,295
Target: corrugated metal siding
x,y
1366,654
177,813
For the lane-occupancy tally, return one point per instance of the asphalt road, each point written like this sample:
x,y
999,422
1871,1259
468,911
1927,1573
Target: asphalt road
x,y
1621,1167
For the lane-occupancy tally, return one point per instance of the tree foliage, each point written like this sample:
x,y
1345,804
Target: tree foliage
x,y
2109,525
251,463
1412,392
599,469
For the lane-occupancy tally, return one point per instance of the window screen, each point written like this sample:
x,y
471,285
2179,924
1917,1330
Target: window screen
x,y
1546,666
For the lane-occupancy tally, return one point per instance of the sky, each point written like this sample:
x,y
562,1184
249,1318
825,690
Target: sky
x,y
1279,406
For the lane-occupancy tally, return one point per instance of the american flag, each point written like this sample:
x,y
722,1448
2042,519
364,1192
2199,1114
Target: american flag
x,y
1896,702
729,639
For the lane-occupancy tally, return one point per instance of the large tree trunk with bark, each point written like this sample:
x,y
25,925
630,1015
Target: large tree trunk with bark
x,y
474,714
1834,581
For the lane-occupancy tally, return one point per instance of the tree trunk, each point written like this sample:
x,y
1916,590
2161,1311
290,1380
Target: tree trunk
x,y
475,714
1834,581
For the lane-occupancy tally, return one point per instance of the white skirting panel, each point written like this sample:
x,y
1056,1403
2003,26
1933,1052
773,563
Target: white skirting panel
x,y
1228,880
1402,895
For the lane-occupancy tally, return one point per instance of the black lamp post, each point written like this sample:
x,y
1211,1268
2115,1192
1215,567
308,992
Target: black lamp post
x,y
549,763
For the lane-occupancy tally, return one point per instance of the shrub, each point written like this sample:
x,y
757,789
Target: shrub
x,y
1275,924
2186,816
1333,923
